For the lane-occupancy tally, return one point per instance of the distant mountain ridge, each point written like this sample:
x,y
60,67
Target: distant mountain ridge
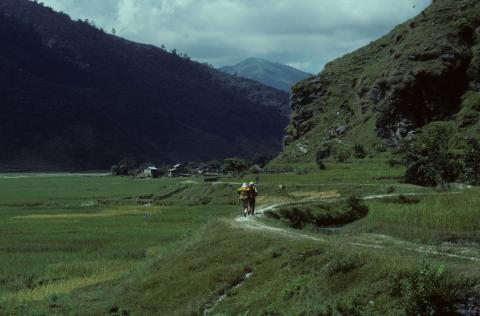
x,y
276,75
74,97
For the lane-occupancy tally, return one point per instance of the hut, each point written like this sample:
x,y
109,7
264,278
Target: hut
x,y
176,171
151,172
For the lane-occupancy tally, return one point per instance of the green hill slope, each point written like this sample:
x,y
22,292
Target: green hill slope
x,y
424,70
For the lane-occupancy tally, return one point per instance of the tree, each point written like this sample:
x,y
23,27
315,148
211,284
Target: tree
x,y
114,31
342,154
430,291
471,161
430,158
359,151
322,153
234,165
124,167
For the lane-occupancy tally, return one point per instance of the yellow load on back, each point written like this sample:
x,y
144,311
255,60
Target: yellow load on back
x,y
243,193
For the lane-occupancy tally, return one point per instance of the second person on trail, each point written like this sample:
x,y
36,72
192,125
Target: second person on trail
x,y
252,196
243,198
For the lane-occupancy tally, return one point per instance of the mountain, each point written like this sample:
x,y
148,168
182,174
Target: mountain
x,y
75,97
424,70
275,75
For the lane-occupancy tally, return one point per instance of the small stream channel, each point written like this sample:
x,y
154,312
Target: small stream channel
x,y
211,306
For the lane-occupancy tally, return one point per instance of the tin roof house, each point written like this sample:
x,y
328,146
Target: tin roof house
x,y
151,172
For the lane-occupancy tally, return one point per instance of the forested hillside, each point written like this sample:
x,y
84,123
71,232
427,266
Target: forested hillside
x,y
73,96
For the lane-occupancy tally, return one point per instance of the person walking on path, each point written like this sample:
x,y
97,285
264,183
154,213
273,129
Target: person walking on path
x,y
243,198
252,195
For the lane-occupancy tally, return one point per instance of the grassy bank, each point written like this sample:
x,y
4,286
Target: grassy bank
x,y
61,233
438,218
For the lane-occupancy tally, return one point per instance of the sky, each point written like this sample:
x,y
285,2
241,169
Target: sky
x,y
305,34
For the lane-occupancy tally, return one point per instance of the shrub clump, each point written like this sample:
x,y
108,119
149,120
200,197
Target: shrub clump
x,y
430,291
359,151
343,264
394,162
436,157
320,214
342,154
430,157
322,153
402,199
471,160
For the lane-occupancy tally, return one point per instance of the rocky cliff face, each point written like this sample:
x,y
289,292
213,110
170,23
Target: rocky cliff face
x,y
426,69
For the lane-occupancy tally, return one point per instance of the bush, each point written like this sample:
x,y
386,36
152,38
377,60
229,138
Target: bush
x,y
342,154
343,264
396,284
390,189
125,167
321,214
294,287
468,117
408,200
430,291
322,153
393,162
302,171
359,151
471,161
430,158
234,165
356,206
256,169
279,169
297,217
402,199
351,308
380,148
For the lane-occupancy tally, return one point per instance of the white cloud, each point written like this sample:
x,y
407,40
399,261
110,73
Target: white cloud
x,y
305,33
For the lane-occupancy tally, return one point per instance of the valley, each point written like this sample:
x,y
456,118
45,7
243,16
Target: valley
x,y
368,173
103,253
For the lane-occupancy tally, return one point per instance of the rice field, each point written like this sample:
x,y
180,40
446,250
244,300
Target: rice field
x,y
438,217
65,237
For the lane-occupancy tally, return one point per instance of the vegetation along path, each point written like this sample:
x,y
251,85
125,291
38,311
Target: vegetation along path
x,y
376,241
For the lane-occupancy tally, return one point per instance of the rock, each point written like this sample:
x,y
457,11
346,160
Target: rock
x,y
448,57
302,148
404,127
388,136
376,94
342,129
391,142
287,140
469,306
423,56
256,169
411,135
378,91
